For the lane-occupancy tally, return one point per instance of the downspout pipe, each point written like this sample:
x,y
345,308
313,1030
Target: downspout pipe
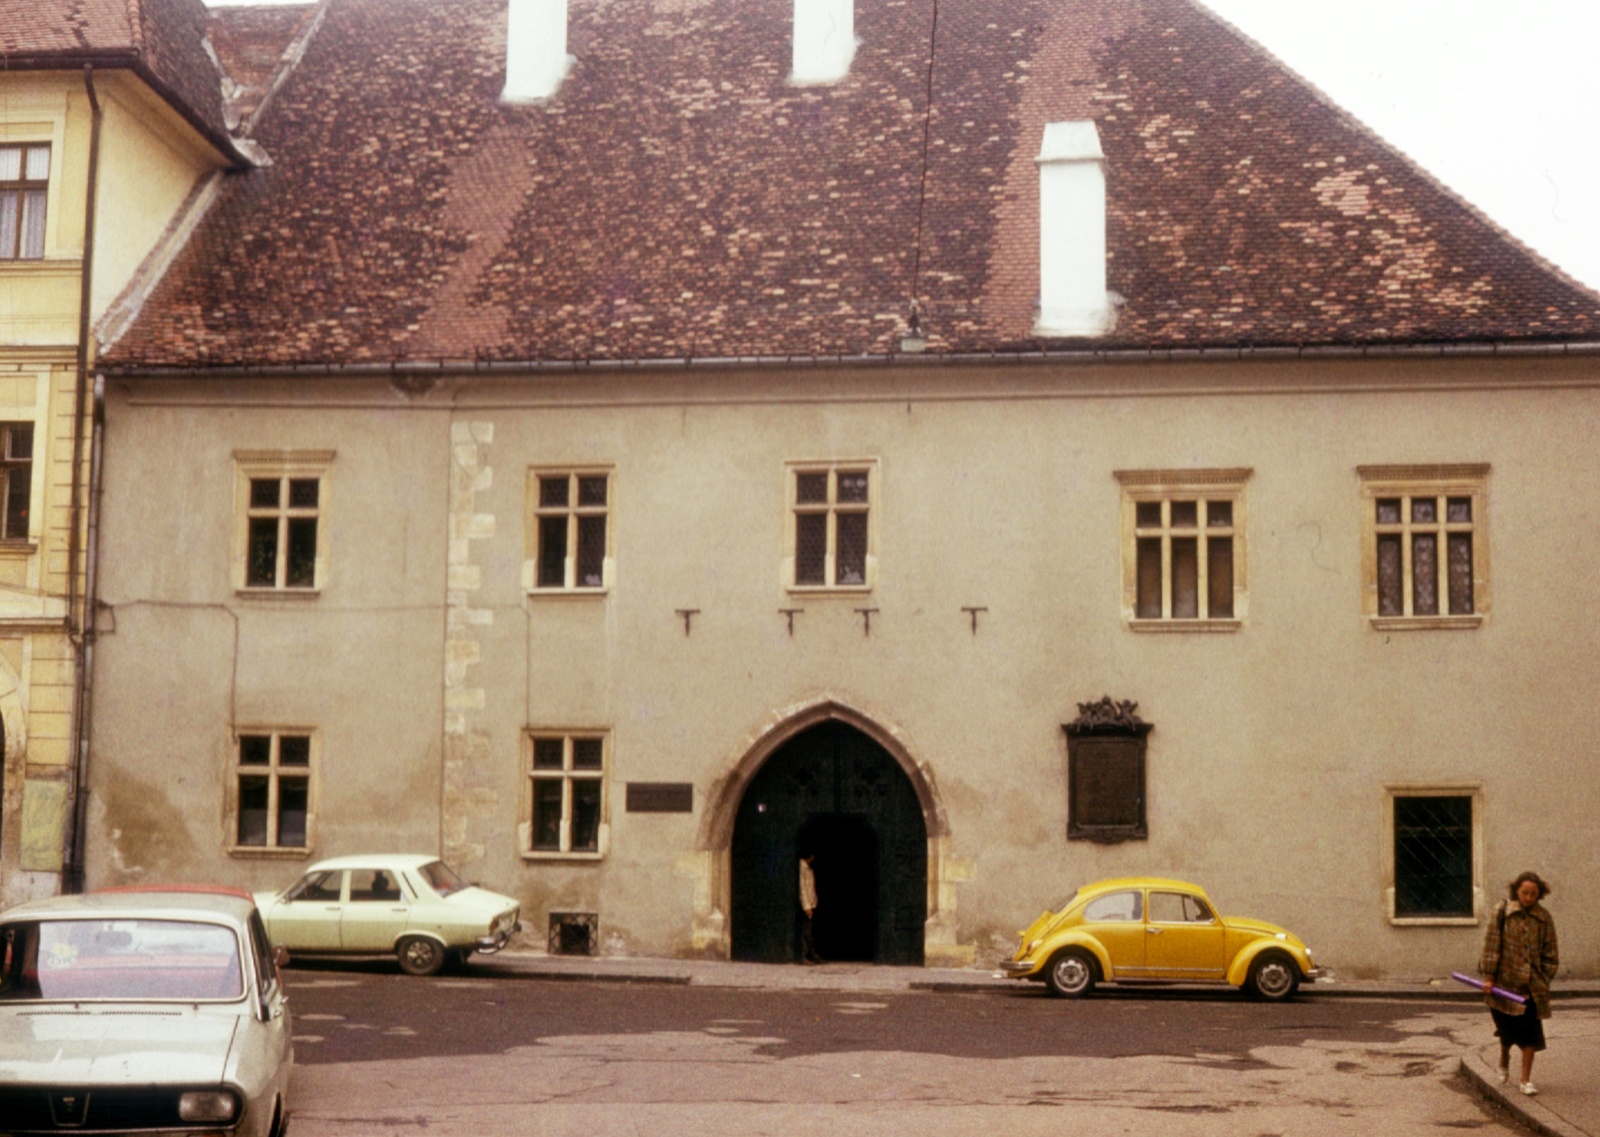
x,y
80,631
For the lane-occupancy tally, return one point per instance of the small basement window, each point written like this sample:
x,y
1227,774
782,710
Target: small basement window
x,y
574,933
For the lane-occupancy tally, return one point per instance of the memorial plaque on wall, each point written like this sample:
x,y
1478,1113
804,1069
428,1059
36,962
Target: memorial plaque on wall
x,y
1107,782
1106,773
660,797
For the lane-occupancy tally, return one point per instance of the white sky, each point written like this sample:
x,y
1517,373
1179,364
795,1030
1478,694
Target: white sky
x,y
1499,100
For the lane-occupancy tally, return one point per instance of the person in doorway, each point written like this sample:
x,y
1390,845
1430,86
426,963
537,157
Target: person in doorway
x,y
808,908
1519,954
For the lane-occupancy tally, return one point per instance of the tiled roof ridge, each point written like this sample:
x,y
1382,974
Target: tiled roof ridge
x,y
136,25
1354,123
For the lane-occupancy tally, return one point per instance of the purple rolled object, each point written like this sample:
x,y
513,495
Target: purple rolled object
x,y
1482,986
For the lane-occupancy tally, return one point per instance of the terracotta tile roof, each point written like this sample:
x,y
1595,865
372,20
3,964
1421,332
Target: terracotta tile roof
x,y
254,45
163,40
678,198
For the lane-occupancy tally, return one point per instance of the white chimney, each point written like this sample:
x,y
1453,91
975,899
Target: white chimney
x,y
536,49
824,40
1072,232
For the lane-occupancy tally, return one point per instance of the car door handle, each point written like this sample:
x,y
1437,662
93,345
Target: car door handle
x,y
1153,931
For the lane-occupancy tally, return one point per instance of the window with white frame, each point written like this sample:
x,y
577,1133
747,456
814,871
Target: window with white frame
x,y
567,775
282,507
1433,853
273,790
24,189
830,543
16,479
1183,548
569,528
1424,558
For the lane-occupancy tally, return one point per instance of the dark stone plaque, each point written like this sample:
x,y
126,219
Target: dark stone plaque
x,y
1106,773
660,797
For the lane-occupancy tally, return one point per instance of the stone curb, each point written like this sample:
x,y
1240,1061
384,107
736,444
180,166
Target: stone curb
x,y
869,979
1485,1079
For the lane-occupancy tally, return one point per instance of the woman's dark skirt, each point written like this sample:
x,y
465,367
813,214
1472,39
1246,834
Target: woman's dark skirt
x,y
1525,1030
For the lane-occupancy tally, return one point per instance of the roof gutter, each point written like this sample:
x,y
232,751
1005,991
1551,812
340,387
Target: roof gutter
x,y
405,368
79,629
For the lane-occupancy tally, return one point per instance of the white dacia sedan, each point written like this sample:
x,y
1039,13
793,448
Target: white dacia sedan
x,y
140,1010
413,906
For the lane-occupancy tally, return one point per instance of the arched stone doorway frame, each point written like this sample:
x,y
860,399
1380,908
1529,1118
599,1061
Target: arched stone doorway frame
x,y
714,846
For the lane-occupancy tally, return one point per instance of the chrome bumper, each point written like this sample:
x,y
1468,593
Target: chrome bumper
x,y
1016,968
488,945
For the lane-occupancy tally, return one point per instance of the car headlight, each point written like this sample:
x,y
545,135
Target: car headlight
x,y
207,1105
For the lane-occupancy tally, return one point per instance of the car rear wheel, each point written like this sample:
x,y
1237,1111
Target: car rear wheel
x,y
1273,977
1071,974
420,956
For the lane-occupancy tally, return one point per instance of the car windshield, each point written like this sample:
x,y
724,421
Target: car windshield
x,y
119,959
441,879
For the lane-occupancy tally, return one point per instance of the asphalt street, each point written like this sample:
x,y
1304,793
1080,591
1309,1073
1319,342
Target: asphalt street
x,y
382,1053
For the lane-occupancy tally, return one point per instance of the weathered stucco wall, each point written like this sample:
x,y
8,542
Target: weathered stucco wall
x,y
423,662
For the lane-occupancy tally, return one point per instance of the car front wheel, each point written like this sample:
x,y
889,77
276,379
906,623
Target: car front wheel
x,y
1273,977
1071,974
420,956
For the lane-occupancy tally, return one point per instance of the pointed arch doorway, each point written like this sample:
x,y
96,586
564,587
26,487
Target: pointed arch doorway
x,y
832,790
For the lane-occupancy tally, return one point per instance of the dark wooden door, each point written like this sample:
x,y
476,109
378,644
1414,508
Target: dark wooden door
x,y
843,794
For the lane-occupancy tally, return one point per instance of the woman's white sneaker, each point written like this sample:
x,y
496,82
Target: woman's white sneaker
x,y
1529,1088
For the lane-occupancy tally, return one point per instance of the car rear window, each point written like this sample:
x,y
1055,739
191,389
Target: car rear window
x,y
119,959
441,879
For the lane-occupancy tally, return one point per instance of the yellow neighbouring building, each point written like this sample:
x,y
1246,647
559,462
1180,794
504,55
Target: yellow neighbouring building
x,y
112,126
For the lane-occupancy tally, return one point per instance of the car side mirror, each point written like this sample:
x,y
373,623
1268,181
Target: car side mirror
x,y
280,959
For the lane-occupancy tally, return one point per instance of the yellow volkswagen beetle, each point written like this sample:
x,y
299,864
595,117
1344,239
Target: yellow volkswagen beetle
x,y
1149,929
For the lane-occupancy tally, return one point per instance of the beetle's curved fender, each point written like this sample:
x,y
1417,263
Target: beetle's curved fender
x,y
1048,951
1239,969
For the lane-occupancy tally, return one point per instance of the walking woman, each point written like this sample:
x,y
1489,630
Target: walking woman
x,y
1519,954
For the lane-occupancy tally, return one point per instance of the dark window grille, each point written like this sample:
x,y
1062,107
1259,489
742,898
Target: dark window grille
x,y
574,933
1433,856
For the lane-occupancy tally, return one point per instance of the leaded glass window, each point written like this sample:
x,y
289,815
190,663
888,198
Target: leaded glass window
x,y
568,783
571,511
274,790
832,526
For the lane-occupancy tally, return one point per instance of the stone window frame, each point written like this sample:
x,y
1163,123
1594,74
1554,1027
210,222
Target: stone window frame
x,y
284,465
274,770
1408,482
22,186
573,511
794,508
567,774
1145,487
1391,791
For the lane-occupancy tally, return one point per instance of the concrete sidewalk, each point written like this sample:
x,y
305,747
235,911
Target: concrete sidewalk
x,y
1567,1104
